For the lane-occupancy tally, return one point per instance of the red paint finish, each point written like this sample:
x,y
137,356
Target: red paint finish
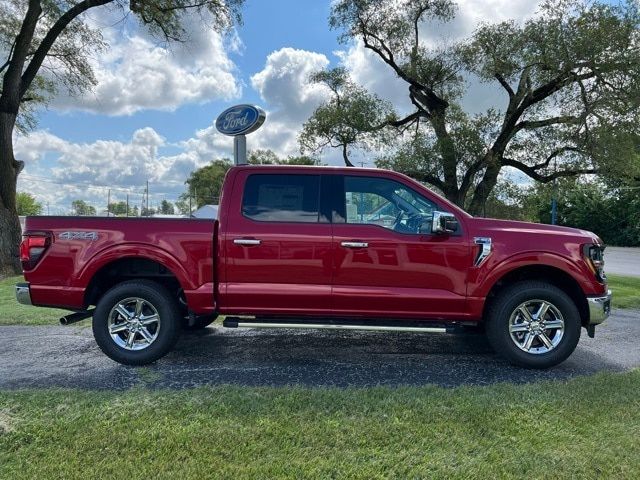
x,y
302,268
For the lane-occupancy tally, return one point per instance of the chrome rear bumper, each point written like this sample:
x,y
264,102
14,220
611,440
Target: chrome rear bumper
x,y
23,295
599,308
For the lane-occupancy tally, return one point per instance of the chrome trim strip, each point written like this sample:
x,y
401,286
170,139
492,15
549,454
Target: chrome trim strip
x,y
599,308
485,251
342,327
23,294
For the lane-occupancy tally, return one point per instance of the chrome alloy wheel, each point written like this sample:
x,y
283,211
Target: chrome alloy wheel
x,y
134,323
536,326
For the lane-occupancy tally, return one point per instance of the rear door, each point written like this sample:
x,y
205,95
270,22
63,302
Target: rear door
x,y
387,261
278,245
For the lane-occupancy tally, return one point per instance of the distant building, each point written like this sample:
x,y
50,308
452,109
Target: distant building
x,y
206,211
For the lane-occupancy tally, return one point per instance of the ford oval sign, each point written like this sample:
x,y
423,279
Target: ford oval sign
x,y
240,120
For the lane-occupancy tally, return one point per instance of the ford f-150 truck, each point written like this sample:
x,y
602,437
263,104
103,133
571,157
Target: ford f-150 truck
x,y
320,247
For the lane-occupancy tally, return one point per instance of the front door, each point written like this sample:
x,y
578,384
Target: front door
x,y
387,261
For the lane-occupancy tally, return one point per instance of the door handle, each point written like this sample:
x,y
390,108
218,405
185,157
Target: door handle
x,y
354,244
247,241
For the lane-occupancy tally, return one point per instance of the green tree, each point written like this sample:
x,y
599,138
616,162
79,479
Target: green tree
x,y
52,35
26,204
269,157
167,208
570,77
118,208
204,184
80,207
348,120
183,204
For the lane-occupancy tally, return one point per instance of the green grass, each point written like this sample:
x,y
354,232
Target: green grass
x,y
12,313
584,428
626,291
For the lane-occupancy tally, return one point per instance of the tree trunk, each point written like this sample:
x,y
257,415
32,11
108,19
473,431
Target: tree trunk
x,y
10,233
486,185
345,156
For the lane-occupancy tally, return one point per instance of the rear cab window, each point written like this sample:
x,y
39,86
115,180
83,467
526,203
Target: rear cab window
x,y
282,198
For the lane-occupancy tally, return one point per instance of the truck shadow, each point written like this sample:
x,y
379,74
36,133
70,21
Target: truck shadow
x,y
350,359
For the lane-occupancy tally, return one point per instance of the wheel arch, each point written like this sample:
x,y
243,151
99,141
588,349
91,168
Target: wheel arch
x,y
129,267
546,273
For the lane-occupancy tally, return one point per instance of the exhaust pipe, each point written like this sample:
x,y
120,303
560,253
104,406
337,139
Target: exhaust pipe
x,y
76,317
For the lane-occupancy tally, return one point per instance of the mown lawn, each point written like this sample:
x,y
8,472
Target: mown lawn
x,y
626,291
584,428
12,313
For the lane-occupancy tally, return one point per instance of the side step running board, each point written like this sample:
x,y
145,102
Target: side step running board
x,y
231,322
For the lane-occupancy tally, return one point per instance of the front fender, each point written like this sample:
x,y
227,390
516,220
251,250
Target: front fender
x,y
484,279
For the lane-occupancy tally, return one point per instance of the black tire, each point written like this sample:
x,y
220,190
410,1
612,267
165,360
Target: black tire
x,y
166,330
506,303
199,323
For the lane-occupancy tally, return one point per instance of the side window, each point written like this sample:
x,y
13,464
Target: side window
x,y
387,203
281,198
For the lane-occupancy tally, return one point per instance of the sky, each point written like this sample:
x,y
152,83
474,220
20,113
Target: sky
x,y
151,116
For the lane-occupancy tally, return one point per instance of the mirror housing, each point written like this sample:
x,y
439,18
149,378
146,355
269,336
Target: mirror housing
x,y
443,222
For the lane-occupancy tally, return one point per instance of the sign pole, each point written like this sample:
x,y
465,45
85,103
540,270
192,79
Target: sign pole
x,y
240,149
237,122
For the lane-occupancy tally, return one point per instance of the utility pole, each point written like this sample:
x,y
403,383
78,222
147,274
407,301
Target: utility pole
x,y
147,198
127,204
47,208
108,201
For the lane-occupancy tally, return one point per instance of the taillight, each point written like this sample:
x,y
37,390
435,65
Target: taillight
x,y
594,255
32,247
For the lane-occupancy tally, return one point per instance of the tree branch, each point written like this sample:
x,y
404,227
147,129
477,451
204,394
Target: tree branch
x,y
10,100
50,38
531,171
505,85
532,124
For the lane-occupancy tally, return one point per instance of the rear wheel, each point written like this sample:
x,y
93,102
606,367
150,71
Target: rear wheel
x,y
533,324
136,322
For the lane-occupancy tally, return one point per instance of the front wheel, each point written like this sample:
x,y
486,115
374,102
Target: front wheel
x,y
136,322
533,324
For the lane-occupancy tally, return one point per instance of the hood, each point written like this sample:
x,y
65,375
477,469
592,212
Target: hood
x,y
484,226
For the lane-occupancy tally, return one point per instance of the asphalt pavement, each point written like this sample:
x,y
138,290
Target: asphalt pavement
x,y
622,261
51,356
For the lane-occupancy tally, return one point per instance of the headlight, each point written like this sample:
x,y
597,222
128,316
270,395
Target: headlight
x,y
594,254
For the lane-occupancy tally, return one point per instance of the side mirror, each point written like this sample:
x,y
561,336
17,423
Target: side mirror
x,y
444,223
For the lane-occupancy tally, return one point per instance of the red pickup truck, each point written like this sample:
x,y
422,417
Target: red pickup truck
x,y
320,247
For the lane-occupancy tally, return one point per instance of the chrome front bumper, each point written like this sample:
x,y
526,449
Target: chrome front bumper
x,y
599,308
23,295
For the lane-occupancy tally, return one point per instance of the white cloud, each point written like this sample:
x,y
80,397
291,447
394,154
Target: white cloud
x,y
137,73
58,171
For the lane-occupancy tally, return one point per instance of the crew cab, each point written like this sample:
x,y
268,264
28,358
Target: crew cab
x,y
320,247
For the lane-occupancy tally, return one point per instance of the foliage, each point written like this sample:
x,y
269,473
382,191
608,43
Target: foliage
x,y
612,213
474,432
348,120
120,209
26,204
205,184
167,208
570,76
80,207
